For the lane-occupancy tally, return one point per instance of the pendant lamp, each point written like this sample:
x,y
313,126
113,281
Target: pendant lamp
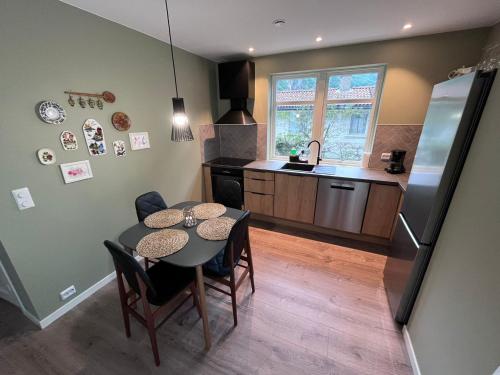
x,y
181,131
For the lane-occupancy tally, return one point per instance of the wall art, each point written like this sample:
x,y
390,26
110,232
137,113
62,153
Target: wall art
x,y
46,156
139,141
68,141
94,137
51,112
77,171
107,96
121,121
119,147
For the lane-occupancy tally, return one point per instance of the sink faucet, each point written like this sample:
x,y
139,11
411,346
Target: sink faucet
x,y
319,150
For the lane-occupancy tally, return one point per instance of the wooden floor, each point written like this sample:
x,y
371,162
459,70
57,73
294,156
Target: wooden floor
x,y
319,308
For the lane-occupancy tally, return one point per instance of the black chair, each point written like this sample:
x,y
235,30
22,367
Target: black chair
x,y
231,196
149,203
156,286
224,263
145,205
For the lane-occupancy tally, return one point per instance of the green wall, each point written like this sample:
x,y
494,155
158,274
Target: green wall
x,y
455,325
47,47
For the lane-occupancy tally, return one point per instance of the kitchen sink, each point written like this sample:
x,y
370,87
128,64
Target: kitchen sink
x,y
298,167
325,169
319,169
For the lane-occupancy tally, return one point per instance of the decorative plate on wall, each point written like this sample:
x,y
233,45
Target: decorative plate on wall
x,y
94,137
119,148
121,121
46,156
68,140
51,112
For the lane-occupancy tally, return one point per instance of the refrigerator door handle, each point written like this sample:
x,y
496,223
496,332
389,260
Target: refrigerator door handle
x,y
414,240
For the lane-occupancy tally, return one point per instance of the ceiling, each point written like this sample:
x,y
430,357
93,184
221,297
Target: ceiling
x,y
225,29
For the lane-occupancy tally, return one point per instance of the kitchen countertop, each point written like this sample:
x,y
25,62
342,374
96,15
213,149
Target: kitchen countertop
x,y
348,173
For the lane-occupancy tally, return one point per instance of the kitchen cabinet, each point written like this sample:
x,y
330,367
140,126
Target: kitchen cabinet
x,y
381,210
207,184
259,203
259,192
295,197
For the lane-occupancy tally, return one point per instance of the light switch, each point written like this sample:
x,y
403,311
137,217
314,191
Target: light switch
x,y
23,198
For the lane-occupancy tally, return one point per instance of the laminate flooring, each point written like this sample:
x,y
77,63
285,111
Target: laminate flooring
x,y
319,308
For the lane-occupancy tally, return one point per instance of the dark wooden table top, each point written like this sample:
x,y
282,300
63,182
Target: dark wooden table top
x,y
196,252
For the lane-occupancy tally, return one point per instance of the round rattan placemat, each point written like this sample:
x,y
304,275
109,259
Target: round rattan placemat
x,y
164,218
215,229
162,243
209,210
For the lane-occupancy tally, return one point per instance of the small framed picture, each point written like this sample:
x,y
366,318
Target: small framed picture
x,y
77,171
139,141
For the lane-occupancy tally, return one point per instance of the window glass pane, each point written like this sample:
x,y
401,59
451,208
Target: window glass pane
x,y
352,86
345,130
293,127
296,90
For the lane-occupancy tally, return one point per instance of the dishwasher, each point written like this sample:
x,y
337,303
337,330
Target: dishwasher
x,y
340,204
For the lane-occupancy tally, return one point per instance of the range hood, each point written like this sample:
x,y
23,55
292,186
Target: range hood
x,y
237,83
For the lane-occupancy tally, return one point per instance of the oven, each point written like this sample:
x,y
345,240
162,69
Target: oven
x,y
221,174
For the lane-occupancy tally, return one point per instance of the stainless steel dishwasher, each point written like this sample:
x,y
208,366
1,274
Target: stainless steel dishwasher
x,y
341,204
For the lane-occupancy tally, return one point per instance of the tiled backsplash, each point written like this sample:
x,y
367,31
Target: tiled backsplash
x,y
250,142
235,141
391,137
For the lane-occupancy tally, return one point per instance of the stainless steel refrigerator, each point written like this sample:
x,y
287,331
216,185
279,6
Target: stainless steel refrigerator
x,y
451,121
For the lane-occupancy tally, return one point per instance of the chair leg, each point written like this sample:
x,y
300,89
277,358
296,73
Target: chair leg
x,y
248,250
232,285
123,302
150,323
195,299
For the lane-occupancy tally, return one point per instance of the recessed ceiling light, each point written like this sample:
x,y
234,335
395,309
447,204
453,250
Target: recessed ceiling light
x,y
251,49
279,22
319,39
407,26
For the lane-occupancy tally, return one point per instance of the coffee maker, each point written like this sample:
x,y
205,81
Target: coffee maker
x,y
396,162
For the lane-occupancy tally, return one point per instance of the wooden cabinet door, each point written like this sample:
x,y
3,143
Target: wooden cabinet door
x,y
295,197
259,203
381,210
207,185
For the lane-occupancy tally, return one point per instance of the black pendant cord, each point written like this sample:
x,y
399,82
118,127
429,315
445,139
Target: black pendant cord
x,y
171,50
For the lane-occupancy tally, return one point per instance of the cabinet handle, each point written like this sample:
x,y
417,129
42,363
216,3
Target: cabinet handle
x,y
341,187
252,192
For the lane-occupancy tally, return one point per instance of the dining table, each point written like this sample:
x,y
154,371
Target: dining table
x,y
194,254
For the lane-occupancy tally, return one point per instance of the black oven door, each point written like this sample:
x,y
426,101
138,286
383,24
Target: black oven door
x,y
220,193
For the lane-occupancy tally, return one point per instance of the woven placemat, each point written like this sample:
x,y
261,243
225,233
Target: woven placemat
x,y
164,218
162,243
209,210
216,229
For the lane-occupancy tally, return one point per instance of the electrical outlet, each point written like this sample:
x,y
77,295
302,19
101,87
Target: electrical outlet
x,y
68,292
386,156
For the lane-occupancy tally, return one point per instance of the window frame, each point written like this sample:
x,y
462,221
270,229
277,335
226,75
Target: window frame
x,y
320,106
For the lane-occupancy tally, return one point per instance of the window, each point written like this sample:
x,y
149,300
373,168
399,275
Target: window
x,y
337,107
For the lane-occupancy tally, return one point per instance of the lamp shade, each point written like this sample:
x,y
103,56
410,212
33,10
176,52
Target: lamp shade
x,y
181,132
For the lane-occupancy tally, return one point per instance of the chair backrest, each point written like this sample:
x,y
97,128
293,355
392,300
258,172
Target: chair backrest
x,y
130,267
149,203
237,240
232,196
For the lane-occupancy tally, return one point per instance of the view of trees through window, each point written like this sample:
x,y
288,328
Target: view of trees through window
x,y
346,105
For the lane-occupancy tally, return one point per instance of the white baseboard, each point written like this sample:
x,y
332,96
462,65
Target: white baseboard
x,y
51,318
45,322
411,352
